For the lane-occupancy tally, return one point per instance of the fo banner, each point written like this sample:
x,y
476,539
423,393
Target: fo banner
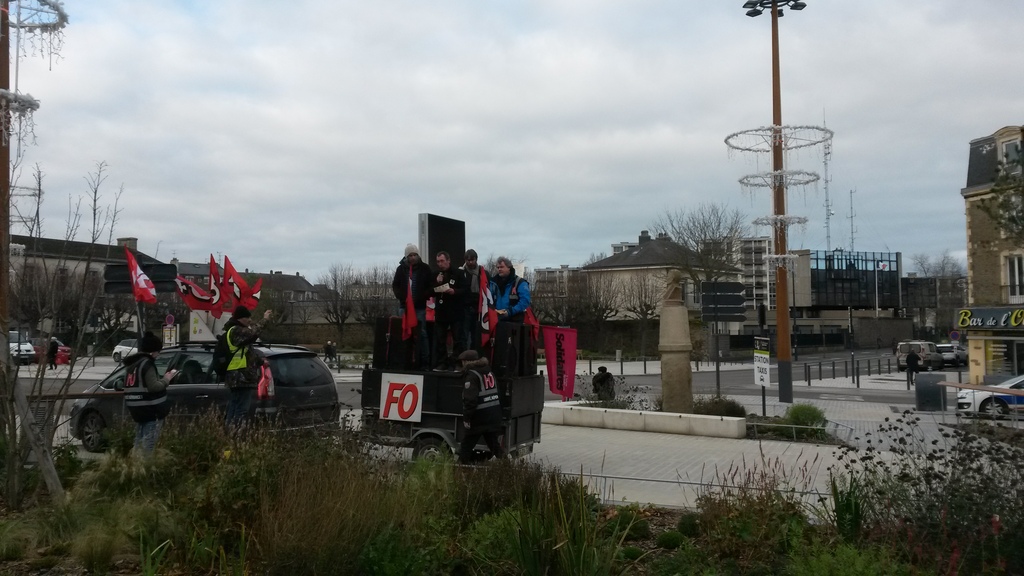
x,y
560,356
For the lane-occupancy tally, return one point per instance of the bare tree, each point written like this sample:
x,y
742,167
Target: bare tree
x,y
337,291
371,294
944,266
709,235
641,299
65,293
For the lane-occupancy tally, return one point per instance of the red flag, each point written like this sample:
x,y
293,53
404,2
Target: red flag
x,y
142,286
195,297
488,315
560,356
252,299
216,309
409,317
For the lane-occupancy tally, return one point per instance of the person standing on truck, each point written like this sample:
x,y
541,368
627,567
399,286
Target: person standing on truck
x,y
414,281
471,314
481,407
243,372
511,293
145,393
450,292
913,364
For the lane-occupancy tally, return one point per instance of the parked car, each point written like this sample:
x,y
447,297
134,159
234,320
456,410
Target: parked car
x,y
41,345
305,393
992,403
952,354
931,359
20,348
124,349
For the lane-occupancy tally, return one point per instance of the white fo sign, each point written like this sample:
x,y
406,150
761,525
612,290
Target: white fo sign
x,y
762,363
401,397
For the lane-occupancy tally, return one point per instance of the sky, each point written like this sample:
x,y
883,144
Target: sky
x,y
295,136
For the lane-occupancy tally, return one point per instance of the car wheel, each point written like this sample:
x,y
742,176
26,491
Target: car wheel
x,y
91,431
430,448
117,356
994,407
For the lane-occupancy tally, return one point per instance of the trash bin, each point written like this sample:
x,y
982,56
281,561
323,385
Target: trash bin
x,y
929,396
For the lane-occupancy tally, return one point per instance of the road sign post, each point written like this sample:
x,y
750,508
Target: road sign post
x,y
762,369
722,302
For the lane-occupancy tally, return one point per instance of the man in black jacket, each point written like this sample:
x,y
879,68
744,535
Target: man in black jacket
x,y
449,297
481,407
415,277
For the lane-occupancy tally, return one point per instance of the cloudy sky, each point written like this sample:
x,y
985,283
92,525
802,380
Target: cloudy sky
x,y
295,135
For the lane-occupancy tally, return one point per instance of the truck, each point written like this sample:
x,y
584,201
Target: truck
x,y
423,409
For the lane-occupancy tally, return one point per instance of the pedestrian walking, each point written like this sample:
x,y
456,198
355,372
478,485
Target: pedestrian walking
x,y
913,365
481,407
51,353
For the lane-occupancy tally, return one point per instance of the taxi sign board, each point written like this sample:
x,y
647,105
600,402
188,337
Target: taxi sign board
x,y
762,363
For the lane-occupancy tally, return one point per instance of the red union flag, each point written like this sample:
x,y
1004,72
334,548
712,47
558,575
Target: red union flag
x,y
142,286
560,356
488,315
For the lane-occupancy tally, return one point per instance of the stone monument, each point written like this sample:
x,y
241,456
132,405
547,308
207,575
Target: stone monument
x,y
675,348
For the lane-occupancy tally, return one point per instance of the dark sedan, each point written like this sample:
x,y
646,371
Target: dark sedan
x,y
305,393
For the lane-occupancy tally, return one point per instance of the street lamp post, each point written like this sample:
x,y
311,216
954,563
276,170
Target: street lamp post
x,y
783,346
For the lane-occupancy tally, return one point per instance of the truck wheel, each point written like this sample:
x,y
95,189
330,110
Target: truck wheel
x,y
430,448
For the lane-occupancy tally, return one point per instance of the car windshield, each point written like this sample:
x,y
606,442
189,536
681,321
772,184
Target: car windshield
x,y
128,343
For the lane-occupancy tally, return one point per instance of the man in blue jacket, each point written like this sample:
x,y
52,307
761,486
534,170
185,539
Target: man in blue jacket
x,y
511,293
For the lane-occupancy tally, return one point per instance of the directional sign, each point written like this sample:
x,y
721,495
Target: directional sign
x,y
162,286
722,287
156,272
723,317
720,300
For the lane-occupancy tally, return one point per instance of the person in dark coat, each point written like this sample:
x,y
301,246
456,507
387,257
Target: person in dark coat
x,y
604,384
481,407
450,295
913,365
413,272
145,393
51,353
243,372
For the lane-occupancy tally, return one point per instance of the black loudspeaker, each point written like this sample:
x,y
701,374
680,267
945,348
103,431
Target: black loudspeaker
x,y
507,360
389,350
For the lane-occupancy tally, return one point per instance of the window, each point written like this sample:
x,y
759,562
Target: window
x,y
1015,278
295,371
1011,157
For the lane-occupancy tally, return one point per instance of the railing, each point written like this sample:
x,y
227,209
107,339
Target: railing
x,y
1012,294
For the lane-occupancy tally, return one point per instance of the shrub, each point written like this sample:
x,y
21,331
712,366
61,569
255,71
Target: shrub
x,y
689,524
632,553
14,539
843,560
718,406
805,415
950,504
95,547
390,554
628,523
670,540
491,544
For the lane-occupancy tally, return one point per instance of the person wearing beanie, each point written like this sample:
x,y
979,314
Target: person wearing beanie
x,y
145,393
243,373
414,282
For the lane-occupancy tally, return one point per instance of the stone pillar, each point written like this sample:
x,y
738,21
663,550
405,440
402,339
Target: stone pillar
x,y
675,348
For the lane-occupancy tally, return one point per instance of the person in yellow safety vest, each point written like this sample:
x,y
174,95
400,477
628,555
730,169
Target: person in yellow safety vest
x,y
243,373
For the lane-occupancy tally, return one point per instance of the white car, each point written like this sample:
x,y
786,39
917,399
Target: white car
x,y
992,403
21,349
952,354
124,349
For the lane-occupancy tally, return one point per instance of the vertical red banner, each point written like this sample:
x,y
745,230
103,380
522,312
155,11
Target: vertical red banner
x,y
560,357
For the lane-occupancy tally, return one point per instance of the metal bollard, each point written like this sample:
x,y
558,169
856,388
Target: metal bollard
x,y
591,365
622,367
878,362
869,367
645,364
807,373
833,369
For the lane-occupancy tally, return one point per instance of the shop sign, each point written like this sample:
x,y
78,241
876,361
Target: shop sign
x,y
1004,318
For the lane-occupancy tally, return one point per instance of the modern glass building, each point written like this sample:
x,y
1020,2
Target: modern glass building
x,y
860,280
